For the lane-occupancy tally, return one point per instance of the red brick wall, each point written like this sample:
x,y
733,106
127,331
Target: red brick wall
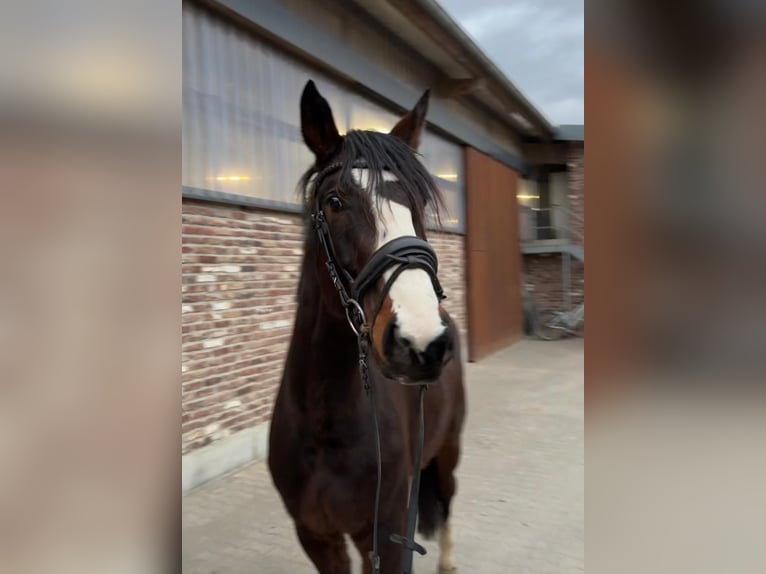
x,y
576,169
240,268
542,278
240,273
450,249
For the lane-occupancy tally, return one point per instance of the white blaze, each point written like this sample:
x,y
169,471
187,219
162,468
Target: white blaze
x,y
412,294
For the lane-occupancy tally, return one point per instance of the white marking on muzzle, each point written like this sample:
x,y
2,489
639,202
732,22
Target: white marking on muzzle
x,y
412,294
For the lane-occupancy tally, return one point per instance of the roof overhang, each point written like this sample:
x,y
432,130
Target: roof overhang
x,y
466,71
570,133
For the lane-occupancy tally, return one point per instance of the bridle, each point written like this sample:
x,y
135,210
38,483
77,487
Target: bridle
x,y
408,252
401,254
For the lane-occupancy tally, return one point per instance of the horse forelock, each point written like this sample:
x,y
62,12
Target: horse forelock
x,y
386,158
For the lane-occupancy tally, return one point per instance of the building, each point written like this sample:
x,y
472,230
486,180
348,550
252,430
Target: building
x,y
245,65
552,220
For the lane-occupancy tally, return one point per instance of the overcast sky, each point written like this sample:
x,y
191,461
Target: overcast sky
x,y
538,44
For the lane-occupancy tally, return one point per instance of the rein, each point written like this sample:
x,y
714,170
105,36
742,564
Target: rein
x,y
402,253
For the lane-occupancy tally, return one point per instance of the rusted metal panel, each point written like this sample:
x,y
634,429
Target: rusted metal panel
x,y
495,310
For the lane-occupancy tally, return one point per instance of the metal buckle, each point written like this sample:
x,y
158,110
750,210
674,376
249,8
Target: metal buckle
x,y
353,305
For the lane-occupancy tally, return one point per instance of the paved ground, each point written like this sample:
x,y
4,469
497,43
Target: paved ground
x,y
519,506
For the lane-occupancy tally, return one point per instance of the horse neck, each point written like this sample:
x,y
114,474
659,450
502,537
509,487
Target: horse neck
x,y
323,351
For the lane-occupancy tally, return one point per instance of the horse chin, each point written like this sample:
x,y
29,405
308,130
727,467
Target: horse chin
x,y
406,372
409,377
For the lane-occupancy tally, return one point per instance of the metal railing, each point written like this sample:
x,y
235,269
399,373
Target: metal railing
x,y
550,229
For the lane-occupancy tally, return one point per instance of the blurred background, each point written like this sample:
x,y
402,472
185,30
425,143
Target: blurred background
x,y
90,134
677,93
675,347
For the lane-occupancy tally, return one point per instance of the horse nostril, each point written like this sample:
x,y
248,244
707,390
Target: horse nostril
x,y
402,352
389,339
437,350
392,339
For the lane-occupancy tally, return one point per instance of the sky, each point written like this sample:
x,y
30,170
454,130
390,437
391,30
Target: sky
x,y
537,44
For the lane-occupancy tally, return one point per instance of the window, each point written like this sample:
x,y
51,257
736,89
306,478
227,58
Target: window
x,y
241,120
528,194
444,161
366,115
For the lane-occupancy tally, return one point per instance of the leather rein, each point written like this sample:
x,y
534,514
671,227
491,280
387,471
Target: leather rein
x,y
402,253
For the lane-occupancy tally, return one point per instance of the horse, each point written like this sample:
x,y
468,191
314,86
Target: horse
x,y
371,189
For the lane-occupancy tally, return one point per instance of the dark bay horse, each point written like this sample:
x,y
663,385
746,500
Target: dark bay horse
x,y
322,454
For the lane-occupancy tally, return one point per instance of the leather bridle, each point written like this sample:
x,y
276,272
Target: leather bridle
x,y
401,254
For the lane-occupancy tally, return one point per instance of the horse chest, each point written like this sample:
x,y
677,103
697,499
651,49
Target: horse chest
x,y
336,480
324,461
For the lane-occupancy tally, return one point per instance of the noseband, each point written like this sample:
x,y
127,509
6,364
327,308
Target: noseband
x,y
402,253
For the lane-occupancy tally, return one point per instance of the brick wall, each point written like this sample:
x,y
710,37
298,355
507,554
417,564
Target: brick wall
x,y
450,249
576,169
240,273
240,269
542,278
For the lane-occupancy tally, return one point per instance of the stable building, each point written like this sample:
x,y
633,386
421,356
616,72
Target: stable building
x,y
244,66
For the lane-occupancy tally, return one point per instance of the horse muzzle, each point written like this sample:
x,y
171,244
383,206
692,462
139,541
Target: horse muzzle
x,y
402,361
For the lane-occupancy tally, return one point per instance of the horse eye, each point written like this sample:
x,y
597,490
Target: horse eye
x,y
335,203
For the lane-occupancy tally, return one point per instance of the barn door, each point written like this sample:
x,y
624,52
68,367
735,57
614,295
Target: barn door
x,y
495,309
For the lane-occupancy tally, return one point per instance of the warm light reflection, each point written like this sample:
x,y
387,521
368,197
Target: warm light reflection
x,y
232,178
525,196
447,176
444,220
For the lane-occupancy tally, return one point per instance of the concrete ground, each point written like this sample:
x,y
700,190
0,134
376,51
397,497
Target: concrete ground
x,y
519,506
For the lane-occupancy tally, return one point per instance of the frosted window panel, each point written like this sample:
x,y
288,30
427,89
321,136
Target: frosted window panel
x,y
528,193
443,158
241,118
444,161
366,115
241,132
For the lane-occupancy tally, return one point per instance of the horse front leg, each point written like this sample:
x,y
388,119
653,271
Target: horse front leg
x,y
390,554
327,552
392,522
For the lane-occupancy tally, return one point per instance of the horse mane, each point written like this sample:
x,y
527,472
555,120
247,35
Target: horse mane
x,y
382,152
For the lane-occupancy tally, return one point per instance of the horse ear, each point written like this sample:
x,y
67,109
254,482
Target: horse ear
x,y
410,127
317,124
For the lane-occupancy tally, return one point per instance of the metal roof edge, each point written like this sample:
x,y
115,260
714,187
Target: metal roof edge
x,y
453,29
